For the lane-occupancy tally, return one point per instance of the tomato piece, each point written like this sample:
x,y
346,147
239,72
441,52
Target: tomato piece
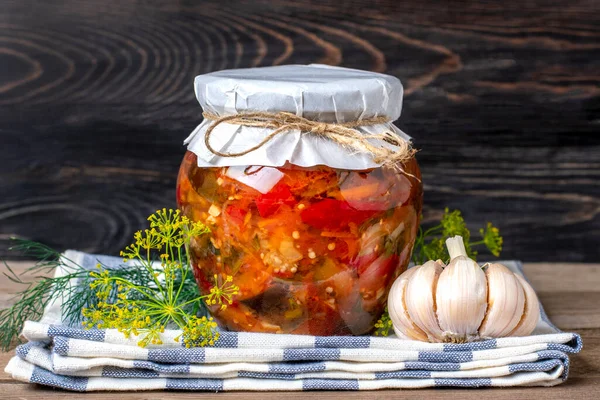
x,y
374,278
345,249
371,246
269,203
399,187
375,282
336,214
236,215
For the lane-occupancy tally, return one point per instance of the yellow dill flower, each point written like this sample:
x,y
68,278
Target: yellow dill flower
x,y
222,294
199,332
492,239
383,325
143,302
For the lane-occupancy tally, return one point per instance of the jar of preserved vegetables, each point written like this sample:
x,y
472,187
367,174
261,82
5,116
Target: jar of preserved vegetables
x,y
312,196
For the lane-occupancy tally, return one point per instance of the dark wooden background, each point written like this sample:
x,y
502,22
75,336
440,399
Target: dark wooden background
x,y
503,98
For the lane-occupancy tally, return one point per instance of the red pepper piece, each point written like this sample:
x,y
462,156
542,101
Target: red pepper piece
x,y
270,202
236,215
336,214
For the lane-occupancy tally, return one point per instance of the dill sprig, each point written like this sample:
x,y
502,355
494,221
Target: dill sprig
x,y
154,290
164,299
42,288
39,293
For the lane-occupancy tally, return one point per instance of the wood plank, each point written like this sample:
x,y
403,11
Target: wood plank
x,y
502,98
572,310
561,277
575,388
4,357
8,288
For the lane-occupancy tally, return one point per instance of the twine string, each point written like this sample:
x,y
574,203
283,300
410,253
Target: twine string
x,y
344,134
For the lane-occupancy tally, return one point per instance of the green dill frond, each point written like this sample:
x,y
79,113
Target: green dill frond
x,y
430,243
39,251
36,295
435,250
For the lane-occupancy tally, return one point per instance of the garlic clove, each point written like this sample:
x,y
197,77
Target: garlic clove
x,y
401,335
506,302
461,295
403,325
420,301
531,314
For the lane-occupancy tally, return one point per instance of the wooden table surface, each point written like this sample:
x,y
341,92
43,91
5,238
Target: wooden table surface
x,y
569,292
502,98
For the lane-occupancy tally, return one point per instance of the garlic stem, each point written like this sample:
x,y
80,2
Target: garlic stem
x,y
456,247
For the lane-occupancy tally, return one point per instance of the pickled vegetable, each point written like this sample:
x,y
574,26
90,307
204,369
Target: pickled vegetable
x,y
313,250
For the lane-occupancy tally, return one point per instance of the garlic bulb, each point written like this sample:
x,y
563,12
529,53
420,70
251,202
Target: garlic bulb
x,y
461,302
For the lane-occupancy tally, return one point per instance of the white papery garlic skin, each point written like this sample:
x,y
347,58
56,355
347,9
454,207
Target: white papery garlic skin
x,y
460,302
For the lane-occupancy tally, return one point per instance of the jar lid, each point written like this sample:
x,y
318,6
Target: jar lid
x,y
315,92
318,92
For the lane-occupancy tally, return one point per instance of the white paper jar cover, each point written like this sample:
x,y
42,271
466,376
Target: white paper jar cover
x,y
317,92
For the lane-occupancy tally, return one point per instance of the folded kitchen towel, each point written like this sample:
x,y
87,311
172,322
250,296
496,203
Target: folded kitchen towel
x,y
58,354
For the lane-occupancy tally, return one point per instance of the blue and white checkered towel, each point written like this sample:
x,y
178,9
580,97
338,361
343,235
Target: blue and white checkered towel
x,y
91,360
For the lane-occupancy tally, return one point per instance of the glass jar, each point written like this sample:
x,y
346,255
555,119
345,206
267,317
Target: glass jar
x,y
287,170
314,250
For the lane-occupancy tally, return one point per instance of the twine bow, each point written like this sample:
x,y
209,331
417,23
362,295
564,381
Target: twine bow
x,y
343,134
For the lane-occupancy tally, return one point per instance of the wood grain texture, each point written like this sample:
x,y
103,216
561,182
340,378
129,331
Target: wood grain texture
x,y
502,98
579,291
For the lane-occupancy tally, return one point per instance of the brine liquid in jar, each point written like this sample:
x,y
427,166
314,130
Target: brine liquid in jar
x,y
313,250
